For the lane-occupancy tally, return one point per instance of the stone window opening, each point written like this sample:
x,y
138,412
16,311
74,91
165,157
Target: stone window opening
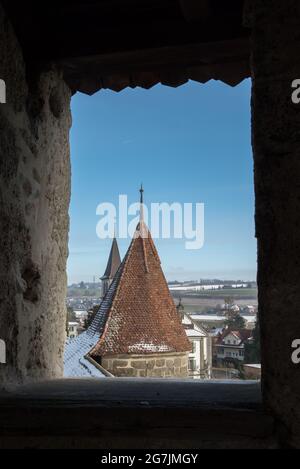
x,y
132,369
38,182
34,229
120,387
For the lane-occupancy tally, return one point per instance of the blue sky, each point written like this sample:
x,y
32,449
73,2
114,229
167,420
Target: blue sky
x,y
189,144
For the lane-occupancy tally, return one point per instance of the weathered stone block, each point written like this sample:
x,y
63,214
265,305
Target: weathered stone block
x,y
139,364
120,363
144,365
107,364
157,372
125,372
170,363
160,362
177,362
150,364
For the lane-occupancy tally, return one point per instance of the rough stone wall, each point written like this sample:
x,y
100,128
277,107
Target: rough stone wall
x,y
160,365
34,199
276,144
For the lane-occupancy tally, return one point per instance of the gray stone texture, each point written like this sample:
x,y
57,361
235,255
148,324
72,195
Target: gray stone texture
x,y
34,198
276,144
158,365
34,222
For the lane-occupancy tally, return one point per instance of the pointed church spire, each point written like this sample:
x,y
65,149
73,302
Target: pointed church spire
x,y
113,264
180,309
114,261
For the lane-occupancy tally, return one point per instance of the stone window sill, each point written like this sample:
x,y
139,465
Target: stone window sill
x,y
135,413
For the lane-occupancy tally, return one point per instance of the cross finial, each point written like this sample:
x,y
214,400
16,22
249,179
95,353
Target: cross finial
x,y
142,194
141,203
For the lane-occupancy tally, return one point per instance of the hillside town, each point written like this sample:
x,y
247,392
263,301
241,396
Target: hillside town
x,y
135,324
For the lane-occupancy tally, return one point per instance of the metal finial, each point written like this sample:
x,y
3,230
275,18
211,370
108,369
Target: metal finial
x,y
142,194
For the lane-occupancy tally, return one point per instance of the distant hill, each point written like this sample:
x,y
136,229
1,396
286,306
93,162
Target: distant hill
x,y
89,289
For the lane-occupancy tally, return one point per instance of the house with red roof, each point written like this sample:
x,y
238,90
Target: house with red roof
x,y
230,345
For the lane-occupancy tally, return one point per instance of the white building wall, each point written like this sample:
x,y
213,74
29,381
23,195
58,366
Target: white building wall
x,y
231,352
73,329
202,350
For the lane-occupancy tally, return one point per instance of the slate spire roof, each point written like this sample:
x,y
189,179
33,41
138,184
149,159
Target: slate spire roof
x,y
114,261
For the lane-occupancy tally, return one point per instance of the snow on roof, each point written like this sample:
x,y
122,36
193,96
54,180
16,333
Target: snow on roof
x,y
231,307
186,319
149,348
249,318
215,317
242,334
193,333
207,317
216,331
75,363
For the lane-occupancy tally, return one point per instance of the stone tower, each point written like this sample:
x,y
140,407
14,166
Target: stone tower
x,y
180,309
137,330
141,332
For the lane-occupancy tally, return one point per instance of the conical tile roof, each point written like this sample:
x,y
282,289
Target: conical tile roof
x,y
140,316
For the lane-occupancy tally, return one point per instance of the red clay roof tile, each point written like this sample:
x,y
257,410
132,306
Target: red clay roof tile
x,y
142,316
